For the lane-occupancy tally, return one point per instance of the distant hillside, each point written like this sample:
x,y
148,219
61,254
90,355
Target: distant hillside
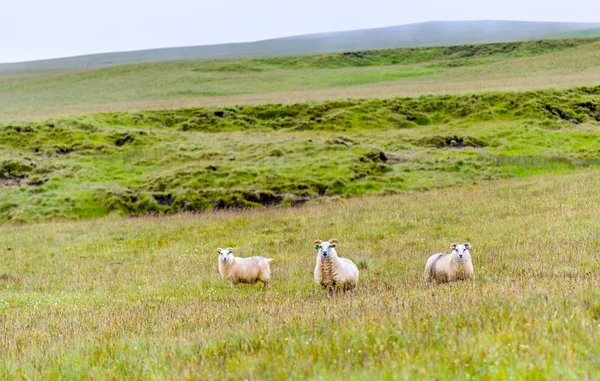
x,y
422,34
519,65
579,33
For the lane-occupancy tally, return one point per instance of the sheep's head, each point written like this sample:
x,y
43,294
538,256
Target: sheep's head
x,y
326,248
461,251
225,254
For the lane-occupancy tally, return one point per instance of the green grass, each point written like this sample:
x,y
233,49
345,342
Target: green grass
x,y
142,298
580,33
253,156
571,62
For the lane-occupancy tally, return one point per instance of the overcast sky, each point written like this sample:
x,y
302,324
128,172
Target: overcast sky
x,y
35,29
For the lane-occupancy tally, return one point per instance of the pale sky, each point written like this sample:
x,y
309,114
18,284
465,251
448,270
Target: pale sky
x,y
36,29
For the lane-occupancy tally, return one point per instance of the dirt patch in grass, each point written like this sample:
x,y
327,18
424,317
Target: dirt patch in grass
x,y
7,183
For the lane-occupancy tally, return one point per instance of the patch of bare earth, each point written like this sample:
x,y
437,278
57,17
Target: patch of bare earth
x,y
9,183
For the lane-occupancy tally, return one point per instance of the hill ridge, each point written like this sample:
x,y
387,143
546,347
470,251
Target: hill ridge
x,y
430,33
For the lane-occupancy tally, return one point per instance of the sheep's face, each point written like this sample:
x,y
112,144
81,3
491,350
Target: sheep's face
x,y
461,251
326,249
225,255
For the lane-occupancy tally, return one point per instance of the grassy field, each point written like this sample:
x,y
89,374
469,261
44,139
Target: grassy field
x,y
142,298
379,73
253,156
108,272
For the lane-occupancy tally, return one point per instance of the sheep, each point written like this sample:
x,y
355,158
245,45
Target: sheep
x,y
450,267
244,270
332,272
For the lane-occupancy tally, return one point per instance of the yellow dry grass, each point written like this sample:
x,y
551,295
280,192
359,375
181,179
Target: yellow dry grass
x,y
142,298
384,90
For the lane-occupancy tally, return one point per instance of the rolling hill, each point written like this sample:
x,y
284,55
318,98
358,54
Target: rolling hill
x,y
422,34
579,33
286,79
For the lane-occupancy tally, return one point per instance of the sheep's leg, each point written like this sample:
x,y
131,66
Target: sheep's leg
x,y
265,278
329,291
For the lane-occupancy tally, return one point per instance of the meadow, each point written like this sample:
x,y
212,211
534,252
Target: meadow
x,y
109,221
290,79
142,298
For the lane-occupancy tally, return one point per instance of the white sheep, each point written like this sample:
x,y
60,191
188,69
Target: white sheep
x,y
333,272
450,267
243,270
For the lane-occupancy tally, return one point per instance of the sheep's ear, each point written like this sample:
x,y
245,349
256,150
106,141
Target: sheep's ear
x,y
333,242
219,250
229,249
467,245
318,243
453,246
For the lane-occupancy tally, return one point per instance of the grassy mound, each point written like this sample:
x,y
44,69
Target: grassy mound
x,y
251,156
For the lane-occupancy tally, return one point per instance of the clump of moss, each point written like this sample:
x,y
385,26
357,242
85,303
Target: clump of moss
x,y
277,153
452,141
139,202
15,169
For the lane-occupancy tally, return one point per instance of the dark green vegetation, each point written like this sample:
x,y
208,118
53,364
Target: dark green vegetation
x,y
377,73
421,34
251,156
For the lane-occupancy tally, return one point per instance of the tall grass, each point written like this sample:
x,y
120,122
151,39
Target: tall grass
x,y
142,298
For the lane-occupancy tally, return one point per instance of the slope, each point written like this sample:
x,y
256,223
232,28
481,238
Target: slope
x,y
422,34
377,73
